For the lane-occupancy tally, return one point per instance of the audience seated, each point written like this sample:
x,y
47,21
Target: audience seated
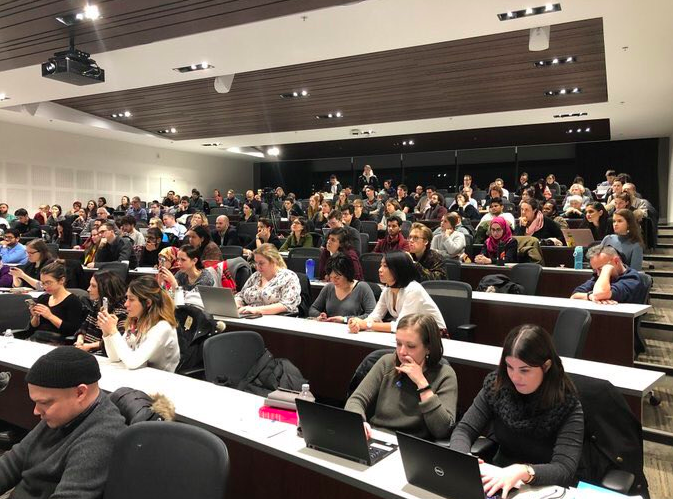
x,y
149,336
435,208
272,289
99,214
394,240
638,204
57,311
124,204
5,214
495,209
113,248
299,236
360,213
574,209
367,178
341,200
231,200
55,215
624,201
392,208
191,273
249,215
338,241
348,217
168,200
577,189
149,255
168,257
198,219
550,210
183,209
533,223
63,235
224,234
344,296
27,227
137,211
523,184
29,274
80,220
402,296
171,226
254,203
406,202
501,183
315,213
335,221
410,390
6,278
196,201
627,238
371,204
91,247
533,410
449,242
424,199
11,250
42,214
553,185
265,235
128,225
468,195
612,282
597,220
616,188
428,262
103,284
207,250
500,246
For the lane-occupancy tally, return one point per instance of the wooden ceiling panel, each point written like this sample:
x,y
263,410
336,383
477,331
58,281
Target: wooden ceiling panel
x,y
29,32
492,73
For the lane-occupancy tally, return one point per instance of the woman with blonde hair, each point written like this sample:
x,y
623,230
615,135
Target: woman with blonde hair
x,y
272,289
150,337
198,218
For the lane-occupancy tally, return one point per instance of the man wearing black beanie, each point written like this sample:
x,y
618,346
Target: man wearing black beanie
x,y
68,453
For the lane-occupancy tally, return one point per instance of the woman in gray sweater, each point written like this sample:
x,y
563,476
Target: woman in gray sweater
x,y
410,390
343,297
533,409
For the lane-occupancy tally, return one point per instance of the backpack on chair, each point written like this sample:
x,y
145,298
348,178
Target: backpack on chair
x,y
499,283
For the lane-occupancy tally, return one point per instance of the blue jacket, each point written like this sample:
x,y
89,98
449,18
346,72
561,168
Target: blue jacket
x,y
17,254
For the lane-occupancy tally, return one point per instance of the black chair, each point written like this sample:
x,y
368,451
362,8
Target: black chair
x,y
406,228
570,332
240,270
454,300
194,328
53,248
168,460
119,268
297,258
362,370
317,239
14,313
247,231
220,210
306,300
229,356
370,266
527,275
371,229
364,243
376,289
231,251
452,269
212,218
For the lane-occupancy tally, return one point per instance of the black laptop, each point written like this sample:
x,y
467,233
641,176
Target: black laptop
x,y
339,432
440,470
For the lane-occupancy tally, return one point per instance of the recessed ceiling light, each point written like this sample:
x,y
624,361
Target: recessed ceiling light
x,y
563,91
273,151
570,115
167,130
579,130
331,115
295,94
408,142
555,61
122,114
90,13
194,67
530,11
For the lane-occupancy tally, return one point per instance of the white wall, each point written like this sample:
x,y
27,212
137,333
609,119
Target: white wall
x,y
43,166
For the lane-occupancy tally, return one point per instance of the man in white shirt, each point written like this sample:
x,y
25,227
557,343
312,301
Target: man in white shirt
x,y
173,227
495,210
468,192
128,224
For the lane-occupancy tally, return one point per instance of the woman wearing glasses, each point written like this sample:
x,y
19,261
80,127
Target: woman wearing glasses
x,y
299,236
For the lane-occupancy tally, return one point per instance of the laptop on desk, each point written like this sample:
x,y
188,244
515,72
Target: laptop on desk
x,y
440,470
220,301
582,237
339,432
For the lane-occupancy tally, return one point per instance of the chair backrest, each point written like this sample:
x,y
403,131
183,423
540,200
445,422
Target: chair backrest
x,y
191,462
119,268
364,243
14,313
194,327
570,331
297,257
53,248
376,289
247,231
304,253
370,266
406,228
454,300
306,300
240,271
229,356
231,251
212,218
364,367
527,275
370,228
452,269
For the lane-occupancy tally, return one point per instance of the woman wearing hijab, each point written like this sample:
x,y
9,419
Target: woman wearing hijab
x,y
499,245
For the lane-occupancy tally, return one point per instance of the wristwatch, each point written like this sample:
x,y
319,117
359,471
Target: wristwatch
x,y
589,295
370,323
531,474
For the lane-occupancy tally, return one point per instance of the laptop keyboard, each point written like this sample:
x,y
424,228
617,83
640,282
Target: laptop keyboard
x,y
375,453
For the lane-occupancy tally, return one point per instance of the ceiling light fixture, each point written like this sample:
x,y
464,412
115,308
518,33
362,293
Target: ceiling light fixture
x,y
332,115
273,151
563,91
555,61
579,130
530,11
409,142
570,115
90,13
122,114
194,67
167,130
295,94
249,151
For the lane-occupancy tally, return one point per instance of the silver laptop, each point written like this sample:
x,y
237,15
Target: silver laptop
x,y
220,301
582,237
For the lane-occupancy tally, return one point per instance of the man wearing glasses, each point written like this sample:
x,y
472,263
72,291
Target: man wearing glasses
x,y
11,250
113,248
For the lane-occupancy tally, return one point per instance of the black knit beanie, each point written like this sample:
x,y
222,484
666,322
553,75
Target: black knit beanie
x,y
64,367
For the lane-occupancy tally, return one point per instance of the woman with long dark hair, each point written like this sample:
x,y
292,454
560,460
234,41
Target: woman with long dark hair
x,y
533,409
597,219
627,238
338,241
199,238
39,256
191,273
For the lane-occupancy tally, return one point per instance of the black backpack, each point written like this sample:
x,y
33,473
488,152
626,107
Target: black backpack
x,y
499,283
268,374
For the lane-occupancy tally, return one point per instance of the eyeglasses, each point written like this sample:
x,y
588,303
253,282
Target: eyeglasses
x,y
32,252
416,238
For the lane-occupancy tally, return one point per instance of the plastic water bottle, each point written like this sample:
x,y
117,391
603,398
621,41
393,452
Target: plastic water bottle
x,y
179,296
305,393
579,257
310,269
9,336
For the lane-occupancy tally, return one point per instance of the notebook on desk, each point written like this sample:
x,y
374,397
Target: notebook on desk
x,y
220,301
339,432
440,470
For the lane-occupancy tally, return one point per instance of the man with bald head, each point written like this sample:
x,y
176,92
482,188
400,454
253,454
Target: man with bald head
x,y
67,455
224,234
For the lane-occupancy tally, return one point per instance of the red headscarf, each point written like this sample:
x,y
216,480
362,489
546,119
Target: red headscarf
x,y
492,244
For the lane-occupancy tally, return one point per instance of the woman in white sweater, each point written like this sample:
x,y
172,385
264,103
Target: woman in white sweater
x,y
402,296
150,337
449,242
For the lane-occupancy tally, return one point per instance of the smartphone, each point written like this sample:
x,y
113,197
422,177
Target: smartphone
x,y
30,302
162,261
104,306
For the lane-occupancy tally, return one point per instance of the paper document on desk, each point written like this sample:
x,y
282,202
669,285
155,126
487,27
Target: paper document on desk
x,y
263,428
